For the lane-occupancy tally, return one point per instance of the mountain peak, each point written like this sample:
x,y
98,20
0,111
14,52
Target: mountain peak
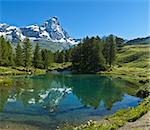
x,y
51,30
55,30
51,20
54,18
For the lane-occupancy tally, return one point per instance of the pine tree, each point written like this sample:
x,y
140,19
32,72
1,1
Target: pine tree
x,y
109,50
4,52
106,50
98,48
37,58
19,55
75,58
61,57
47,58
27,53
112,50
67,55
10,55
56,54
0,50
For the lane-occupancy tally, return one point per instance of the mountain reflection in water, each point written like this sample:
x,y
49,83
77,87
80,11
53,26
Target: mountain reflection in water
x,y
65,97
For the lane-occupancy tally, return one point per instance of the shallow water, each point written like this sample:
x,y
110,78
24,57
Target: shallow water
x,y
50,100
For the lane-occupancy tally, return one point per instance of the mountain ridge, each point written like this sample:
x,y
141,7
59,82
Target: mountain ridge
x,y
50,32
142,40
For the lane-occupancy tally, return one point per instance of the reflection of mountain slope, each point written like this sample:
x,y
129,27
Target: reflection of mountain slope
x,y
39,90
49,99
49,90
52,97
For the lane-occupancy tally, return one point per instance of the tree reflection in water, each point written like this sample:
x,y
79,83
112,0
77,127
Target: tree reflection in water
x,y
50,89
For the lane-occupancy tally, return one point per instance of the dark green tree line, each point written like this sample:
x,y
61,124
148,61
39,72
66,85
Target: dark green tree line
x,y
87,57
63,56
90,56
24,55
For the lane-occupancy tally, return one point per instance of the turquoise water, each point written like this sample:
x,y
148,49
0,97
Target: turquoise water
x,y
51,100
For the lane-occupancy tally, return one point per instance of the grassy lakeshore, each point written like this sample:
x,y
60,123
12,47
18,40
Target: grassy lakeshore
x,y
7,72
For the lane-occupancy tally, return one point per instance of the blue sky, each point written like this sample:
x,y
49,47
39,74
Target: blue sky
x,y
126,18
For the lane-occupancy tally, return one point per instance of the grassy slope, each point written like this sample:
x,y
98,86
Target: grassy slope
x,y
132,64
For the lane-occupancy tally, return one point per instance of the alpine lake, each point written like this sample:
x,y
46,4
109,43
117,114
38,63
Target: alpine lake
x,y
54,99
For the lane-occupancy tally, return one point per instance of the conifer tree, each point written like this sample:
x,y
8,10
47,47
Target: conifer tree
x,y
47,58
110,50
6,53
106,50
61,57
37,58
27,53
56,54
10,55
0,50
19,55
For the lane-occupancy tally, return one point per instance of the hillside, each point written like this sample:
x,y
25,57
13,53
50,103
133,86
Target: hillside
x,y
132,64
134,56
144,40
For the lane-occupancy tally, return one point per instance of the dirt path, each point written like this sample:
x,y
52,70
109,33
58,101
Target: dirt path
x,y
141,124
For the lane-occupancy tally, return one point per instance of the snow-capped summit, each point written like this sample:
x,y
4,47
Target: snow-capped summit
x,y
56,32
50,30
54,18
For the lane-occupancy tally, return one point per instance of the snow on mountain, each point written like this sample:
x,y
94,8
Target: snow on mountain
x,y
51,31
34,28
